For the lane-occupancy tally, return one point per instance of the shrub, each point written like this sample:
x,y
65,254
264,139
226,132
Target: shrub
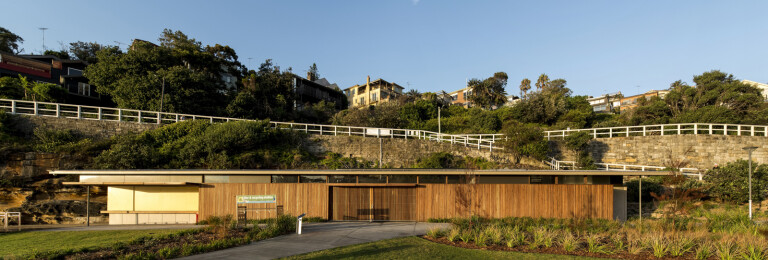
x,y
704,251
680,245
466,235
569,242
494,234
435,232
658,245
649,185
726,249
453,234
595,245
729,183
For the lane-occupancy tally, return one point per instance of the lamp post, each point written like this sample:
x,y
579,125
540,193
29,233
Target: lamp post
x,y
750,149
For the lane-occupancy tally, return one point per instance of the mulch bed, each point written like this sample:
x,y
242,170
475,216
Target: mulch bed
x,y
153,245
552,250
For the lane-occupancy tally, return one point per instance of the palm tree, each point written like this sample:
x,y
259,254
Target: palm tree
x,y
525,85
413,93
542,82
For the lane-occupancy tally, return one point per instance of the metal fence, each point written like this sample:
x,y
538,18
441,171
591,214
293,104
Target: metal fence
x,y
571,165
666,129
46,109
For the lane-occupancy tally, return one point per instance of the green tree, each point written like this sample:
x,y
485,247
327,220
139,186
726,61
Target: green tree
x,y
62,54
314,72
489,93
542,82
134,79
525,86
729,183
9,42
86,51
21,88
524,140
267,93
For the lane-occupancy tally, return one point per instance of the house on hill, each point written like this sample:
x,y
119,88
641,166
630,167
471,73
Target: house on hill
x,y
372,92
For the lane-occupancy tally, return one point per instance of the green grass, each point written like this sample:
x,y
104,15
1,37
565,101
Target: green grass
x,y
417,248
25,243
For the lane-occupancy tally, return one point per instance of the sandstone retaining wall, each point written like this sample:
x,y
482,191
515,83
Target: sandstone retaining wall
x,y
701,151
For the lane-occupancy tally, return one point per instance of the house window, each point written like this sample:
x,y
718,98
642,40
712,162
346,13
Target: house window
x,y
373,99
74,72
362,101
83,89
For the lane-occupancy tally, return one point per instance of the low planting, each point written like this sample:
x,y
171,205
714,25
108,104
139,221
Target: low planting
x,y
220,233
722,235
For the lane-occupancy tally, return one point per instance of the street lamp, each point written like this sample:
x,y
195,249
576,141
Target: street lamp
x,y
750,149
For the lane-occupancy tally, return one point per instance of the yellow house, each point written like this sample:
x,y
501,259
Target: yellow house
x,y
372,93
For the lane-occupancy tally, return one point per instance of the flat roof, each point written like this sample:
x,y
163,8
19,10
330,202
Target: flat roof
x,y
360,171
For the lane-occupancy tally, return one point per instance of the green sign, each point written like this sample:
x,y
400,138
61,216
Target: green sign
x,y
255,199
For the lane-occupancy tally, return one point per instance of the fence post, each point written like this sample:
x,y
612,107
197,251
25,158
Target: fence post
x,y
627,129
662,130
177,118
738,128
35,108
725,129
710,128
610,132
79,112
695,128
158,118
335,130
306,128
752,130
321,129
119,115
594,133
99,114
58,110
678,128
13,106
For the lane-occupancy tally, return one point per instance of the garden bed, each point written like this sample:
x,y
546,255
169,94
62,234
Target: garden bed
x,y
717,236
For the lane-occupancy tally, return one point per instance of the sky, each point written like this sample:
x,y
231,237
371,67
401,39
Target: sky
x,y
429,45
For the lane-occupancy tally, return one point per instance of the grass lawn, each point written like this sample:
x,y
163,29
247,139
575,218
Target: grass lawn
x,y
24,243
417,248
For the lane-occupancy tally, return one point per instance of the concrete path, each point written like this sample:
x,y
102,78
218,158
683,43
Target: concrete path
x,y
321,236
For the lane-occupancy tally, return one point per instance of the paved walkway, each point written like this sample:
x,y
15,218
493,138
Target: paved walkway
x,y
320,236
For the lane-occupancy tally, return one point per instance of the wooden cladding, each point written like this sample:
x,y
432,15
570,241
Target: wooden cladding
x,y
291,198
515,200
374,203
417,203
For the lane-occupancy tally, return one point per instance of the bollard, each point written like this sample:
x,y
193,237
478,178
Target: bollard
x,y
298,223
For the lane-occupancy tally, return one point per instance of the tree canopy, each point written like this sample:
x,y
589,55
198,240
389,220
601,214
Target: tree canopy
x,y
134,79
9,42
489,93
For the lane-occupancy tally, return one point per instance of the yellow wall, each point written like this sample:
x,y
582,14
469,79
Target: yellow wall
x,y
152,198
120,198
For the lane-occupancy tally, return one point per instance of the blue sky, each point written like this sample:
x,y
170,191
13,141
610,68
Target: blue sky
x,y
429,45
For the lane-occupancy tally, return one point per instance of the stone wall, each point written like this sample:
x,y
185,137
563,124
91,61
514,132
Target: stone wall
x,y
88,128
402,153
701,151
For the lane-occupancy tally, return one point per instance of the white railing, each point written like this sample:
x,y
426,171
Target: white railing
x,y
666,129
571,165
46,109
5,217
555,164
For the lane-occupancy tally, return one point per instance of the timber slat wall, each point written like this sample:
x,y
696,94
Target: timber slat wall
x,y
218,199
419,203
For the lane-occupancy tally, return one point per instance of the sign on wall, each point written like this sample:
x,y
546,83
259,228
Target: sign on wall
x,y
256,199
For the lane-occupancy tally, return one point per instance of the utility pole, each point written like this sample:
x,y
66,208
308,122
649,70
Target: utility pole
x,y
439,130
381,151
750,149
162,95
43,29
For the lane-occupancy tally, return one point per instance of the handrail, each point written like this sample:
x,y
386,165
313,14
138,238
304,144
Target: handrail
x,y
564,165
60,110
666,129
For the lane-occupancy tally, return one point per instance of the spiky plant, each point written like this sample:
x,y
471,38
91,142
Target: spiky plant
x,y
704,251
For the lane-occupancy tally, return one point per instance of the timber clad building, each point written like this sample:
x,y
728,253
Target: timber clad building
x,y
186,196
